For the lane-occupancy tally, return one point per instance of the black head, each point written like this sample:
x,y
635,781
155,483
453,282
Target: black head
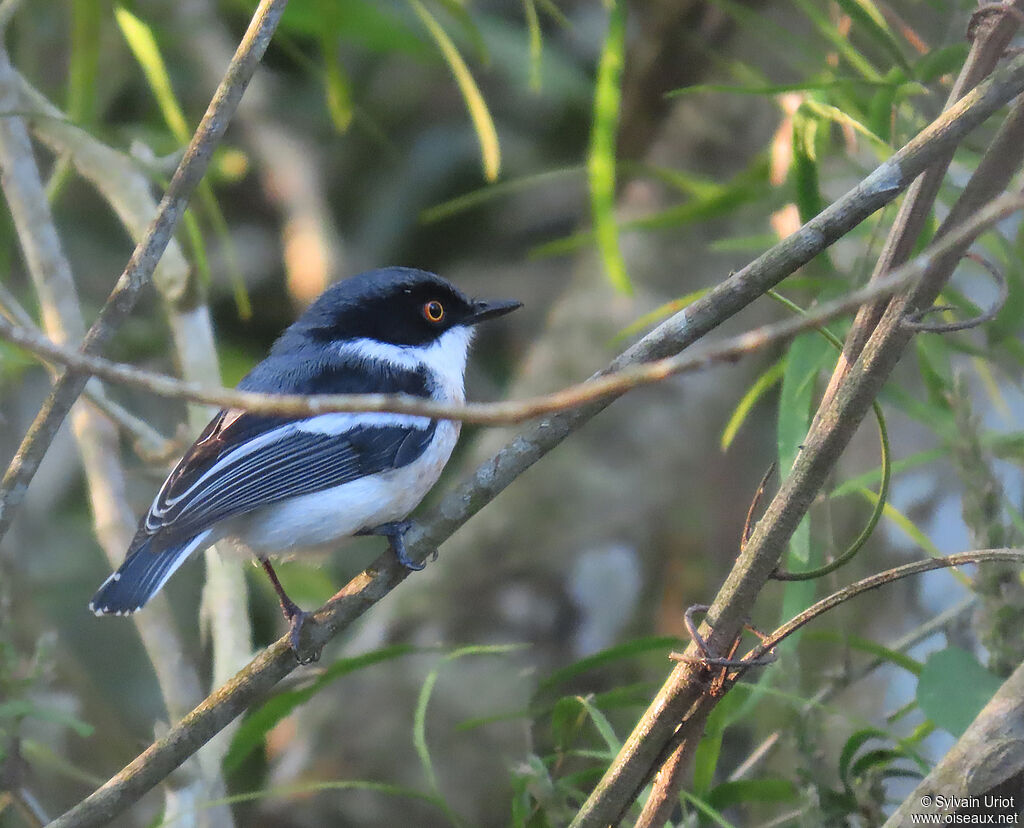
x,y
397,305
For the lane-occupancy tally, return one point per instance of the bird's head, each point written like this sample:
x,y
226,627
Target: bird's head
x,y
396,306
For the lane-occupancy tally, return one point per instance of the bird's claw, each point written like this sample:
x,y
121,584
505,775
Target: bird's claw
x,y
296,622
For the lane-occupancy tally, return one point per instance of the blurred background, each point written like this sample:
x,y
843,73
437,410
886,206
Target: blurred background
x,y
461,137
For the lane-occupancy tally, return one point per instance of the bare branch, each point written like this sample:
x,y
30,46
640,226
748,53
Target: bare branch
x,y
143,261
149,443
989,752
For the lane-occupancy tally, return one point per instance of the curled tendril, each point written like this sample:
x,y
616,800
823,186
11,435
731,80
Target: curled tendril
x,y
913,321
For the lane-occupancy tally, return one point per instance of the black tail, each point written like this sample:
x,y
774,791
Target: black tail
x,y
141,576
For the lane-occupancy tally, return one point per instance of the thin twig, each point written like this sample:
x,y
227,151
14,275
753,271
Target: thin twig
x,y
146,255
914,321
608,385
151,445
880,579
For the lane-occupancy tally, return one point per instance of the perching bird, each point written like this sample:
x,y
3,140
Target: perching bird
x,y
279,484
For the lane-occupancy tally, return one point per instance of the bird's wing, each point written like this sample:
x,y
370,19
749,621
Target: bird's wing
x,y
243,461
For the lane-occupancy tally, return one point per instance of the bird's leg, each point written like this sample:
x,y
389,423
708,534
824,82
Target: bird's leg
x,y
395,533
295,616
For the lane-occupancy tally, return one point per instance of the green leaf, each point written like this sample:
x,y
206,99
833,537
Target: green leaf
x,y
337,87
487,135
866,645
83,66
909,528
856,741
601,159
419,728
743,791
804,170
770,90
706,809
768,380
143,44
658,315
731,708
953,688
536,45
23,708
619,652
471,200
604,727
939,62
838,39
868,19
259,722
363,22
804,360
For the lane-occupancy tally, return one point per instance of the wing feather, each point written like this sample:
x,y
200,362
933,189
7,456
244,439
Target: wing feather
x,y
291,459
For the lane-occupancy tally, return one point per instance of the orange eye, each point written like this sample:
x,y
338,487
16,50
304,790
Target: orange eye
x,y
433,311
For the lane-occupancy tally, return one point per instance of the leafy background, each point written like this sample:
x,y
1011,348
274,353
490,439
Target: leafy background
x,y
605,163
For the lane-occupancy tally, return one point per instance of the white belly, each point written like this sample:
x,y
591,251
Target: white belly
x,y
323,518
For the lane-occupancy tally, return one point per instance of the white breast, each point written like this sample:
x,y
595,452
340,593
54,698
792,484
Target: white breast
x,y
323,518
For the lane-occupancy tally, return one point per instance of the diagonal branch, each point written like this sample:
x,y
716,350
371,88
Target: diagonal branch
x,y
144,259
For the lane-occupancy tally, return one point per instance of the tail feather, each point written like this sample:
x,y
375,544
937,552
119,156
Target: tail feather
x,y
141,576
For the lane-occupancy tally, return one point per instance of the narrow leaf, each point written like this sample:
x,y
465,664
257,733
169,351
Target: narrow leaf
x,y
601,161
486,134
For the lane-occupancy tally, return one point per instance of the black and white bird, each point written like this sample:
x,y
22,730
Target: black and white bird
x,y
279,485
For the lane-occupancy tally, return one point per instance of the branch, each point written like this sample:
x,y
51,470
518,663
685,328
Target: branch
x,y
736,292
150,444
880,579
144,259
598,389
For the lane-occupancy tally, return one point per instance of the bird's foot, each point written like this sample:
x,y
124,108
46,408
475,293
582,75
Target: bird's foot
x,y
395,533
295,617
296,621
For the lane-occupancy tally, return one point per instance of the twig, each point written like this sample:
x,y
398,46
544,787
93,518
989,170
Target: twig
x,y
146,255
611,384
914,321
149,443
672,336
874,582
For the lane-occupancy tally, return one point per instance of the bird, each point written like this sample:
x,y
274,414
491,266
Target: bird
x,y
279,485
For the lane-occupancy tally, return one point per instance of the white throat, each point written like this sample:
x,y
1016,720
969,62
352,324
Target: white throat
x,y
445,358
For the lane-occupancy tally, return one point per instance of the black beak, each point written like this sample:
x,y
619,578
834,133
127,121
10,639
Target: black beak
x,y
484,309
